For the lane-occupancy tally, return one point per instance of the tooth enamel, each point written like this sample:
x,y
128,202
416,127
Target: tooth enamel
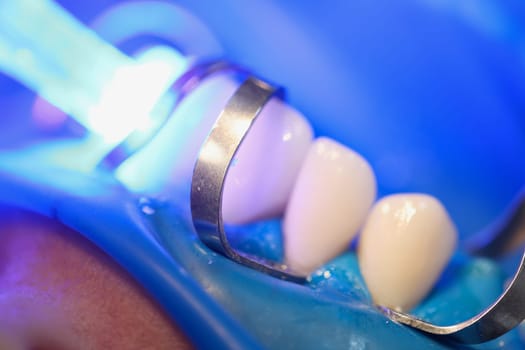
x,y
332,195
405,244
261,177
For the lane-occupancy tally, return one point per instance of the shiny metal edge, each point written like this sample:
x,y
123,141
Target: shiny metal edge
x,y
211,168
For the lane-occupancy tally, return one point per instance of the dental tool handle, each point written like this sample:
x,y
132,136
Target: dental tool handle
x,y
55,55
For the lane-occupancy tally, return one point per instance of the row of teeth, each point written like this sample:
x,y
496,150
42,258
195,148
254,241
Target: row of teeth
x,y
326,193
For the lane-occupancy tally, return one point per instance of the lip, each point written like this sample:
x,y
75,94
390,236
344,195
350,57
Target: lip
x,y
59,291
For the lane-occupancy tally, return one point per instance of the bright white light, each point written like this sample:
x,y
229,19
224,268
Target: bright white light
x,y
66,63
129,99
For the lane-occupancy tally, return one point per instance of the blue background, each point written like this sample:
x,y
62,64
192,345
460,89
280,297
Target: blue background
x,y
431,92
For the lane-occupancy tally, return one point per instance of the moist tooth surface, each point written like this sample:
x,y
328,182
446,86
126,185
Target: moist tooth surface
x,y
405,244
332,195
261,177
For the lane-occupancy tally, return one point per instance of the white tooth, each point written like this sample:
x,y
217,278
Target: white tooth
x,y
405,244
261,177
333,193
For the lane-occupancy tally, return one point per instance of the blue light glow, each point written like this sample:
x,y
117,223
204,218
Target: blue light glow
x,y
70,66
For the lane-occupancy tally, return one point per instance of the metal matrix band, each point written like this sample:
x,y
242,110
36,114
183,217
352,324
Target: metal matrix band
x,y
182,87
211,169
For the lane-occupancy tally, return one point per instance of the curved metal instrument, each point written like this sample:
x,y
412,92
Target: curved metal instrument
x,y
211,169
210,172
508,310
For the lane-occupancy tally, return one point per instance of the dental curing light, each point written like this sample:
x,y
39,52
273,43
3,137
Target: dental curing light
x,y
107,92
124,102
117,99
68,65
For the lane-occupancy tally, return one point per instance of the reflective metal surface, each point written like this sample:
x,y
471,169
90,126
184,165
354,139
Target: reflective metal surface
x,y
211,170
508,311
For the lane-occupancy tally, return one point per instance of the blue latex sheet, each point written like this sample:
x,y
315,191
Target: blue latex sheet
x,y
206,293
431,94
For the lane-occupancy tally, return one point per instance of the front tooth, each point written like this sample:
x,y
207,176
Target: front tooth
x,y
405,244
261,177
333,193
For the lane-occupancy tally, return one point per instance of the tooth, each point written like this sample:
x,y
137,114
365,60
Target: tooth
x,y
261,177
405,244
333,193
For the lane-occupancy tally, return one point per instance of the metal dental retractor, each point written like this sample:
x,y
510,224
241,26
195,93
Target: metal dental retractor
x,y
209,175
215,157
508,310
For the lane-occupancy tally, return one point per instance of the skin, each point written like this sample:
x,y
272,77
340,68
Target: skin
x,y
59,291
